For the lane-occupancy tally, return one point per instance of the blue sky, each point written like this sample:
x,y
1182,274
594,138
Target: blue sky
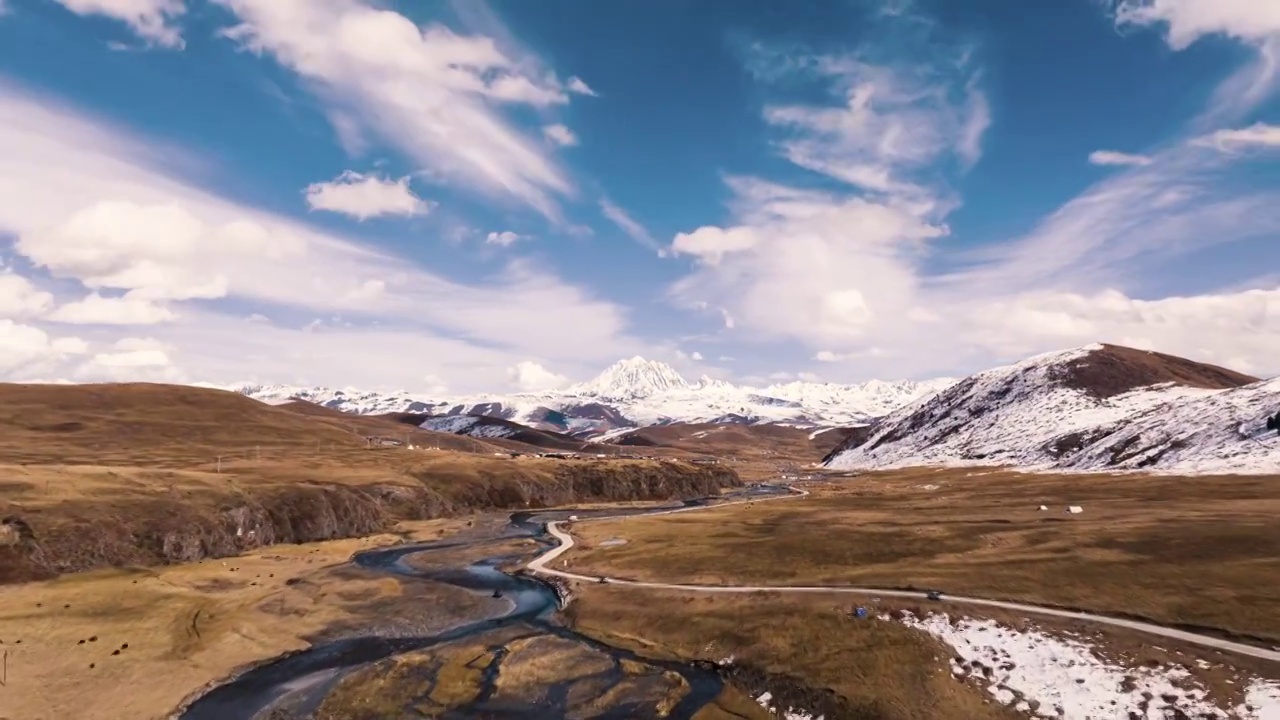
x,y
452,197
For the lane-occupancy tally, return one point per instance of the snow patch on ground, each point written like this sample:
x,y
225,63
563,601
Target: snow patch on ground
x,y
1056,677
766,701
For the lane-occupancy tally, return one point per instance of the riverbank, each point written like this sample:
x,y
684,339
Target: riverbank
x,y
92,645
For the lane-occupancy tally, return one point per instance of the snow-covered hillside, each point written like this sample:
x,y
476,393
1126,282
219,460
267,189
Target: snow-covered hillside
x,y
1094,407
637,392
1225,432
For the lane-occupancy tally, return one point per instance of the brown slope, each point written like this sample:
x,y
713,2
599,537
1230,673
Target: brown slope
x,y
1116,369
731,440
160,425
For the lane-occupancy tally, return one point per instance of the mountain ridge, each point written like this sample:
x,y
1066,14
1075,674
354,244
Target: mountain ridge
x,y
633,392
1075,409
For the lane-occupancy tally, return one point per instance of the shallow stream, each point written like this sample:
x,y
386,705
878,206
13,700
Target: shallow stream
x,y
295,685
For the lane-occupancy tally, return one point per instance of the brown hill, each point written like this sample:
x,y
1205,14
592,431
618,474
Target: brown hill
x,y
725,440
161,425
98,475
1115,370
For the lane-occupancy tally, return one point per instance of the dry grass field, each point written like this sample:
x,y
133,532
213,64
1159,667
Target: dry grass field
x,y
881,671
757,452
1202,552
92,645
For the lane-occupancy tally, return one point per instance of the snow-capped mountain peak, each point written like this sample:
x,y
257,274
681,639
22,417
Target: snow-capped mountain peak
x,y
632,378
706,381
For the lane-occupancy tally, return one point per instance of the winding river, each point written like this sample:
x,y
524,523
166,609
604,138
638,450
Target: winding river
x,y
300,681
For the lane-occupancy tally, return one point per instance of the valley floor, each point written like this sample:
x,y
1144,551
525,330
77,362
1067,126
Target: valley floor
x,y
1200,553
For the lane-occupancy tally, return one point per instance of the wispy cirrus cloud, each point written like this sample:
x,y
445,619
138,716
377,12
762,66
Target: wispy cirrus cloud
x,y
1112,157
431,93
629,225
153,21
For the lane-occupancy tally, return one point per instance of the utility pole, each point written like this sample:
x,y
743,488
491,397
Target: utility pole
x,y
219,463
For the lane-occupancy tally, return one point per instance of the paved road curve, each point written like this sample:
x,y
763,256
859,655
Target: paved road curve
x,y
539,565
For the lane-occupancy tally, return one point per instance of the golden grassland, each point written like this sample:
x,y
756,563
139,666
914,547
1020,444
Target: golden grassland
x,y
189,624
1202,551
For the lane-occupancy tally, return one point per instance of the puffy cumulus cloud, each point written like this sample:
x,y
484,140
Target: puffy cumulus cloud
x,y
20,299
430,92
529,376
95,309
1185,21
154,21
804,265
560,135
366,196
27,352
95,206
506,238
153,250
132,360
1111,157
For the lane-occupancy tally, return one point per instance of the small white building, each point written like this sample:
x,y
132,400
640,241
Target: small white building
x,y
1075,509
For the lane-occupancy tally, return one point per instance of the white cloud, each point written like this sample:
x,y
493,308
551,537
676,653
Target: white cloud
x,y
1185,21
891,121
529,376
132,360
628,225
576,85
852,275
155,21
560,135
695,356
365,196
1111,157
89,205
433,94
95,309
1256,135
977,118
506,238
27,351
20,299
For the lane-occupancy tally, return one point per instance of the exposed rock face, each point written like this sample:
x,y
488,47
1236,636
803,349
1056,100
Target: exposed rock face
x,y
79,536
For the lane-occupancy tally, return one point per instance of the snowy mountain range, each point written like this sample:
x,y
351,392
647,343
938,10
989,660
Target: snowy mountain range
x,y
1098,407
633,393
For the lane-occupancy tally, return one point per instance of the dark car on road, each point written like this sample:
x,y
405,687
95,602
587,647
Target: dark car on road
x,y
934,594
